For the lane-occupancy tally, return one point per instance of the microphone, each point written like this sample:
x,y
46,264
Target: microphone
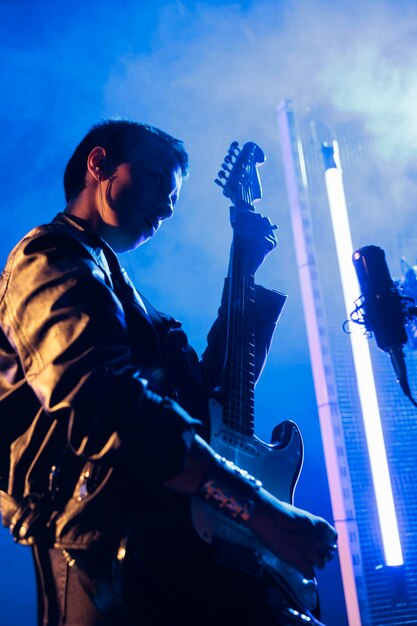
x,y
383,313
382,308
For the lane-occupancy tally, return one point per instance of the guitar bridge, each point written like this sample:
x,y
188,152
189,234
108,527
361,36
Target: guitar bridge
x,y
236,556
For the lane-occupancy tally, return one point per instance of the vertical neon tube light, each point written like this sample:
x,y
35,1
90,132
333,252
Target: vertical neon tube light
x,y
362,360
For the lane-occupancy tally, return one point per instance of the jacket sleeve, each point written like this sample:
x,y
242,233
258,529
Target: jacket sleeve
x,y
68,327
268,308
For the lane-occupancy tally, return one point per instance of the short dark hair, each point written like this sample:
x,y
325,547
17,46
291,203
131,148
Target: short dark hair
x,y
117,137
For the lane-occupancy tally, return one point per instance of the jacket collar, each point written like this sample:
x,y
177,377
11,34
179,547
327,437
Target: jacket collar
x,y
102,253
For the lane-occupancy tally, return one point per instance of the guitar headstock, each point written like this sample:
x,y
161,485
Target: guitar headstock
x,y
239,176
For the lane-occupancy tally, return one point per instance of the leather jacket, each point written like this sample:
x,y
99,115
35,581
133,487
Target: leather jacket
x,y
82,438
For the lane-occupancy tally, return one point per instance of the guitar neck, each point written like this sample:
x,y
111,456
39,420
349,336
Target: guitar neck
x,y
239,372
240,182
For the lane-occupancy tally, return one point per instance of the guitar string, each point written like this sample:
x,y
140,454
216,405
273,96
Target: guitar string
x,y
242,347
240,400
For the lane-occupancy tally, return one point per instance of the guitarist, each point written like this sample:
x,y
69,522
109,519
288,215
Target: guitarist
x,y
99,455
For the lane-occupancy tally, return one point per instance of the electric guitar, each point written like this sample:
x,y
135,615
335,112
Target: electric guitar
x,y
277,464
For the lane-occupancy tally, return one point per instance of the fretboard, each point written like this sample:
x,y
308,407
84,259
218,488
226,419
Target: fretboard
x,y
238,382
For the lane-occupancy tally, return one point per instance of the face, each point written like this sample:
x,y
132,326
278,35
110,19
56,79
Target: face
x,y
139,195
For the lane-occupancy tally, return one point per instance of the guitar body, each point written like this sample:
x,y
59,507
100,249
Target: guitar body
x,y
276,465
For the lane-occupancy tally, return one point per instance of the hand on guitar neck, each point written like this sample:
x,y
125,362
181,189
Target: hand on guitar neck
x,y
302,539
255,235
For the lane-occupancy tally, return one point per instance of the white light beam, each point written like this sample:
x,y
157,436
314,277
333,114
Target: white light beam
x,y
362,361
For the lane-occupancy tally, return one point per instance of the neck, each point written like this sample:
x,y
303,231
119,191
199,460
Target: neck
x,y
88,206
84,206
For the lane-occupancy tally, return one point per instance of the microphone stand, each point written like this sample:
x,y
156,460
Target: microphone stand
x,y
398,362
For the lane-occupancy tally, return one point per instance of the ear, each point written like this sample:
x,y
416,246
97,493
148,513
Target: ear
x,y
96,163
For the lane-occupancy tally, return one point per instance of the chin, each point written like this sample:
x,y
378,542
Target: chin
x,y
139,242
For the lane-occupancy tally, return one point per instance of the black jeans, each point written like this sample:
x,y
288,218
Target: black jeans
x,y
99,591
91,588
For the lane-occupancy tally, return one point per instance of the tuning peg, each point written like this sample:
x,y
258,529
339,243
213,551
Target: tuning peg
x,y
228,159
222,174
234,148
226,167
219,182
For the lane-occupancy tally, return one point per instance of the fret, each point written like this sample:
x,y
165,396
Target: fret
x,y
240,402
